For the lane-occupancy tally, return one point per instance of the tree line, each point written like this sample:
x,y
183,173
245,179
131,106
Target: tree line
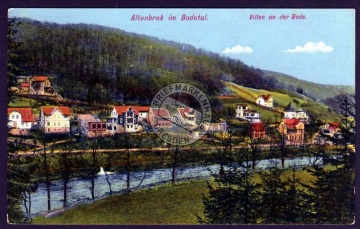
x,y
99,64
242,196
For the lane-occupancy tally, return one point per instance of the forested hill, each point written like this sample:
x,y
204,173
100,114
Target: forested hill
x,y
100,64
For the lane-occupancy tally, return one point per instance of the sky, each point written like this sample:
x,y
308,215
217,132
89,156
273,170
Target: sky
x,y
318,45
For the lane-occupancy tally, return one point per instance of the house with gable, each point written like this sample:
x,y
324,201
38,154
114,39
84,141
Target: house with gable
x,y
20,120
143,112
40,85
291,112
256,130
240,108
124,119
55,119
265,100
293,130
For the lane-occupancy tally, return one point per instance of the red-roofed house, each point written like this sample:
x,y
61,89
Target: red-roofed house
x,y
24,88
20,120
123,119
265,100
187,115
40,85
160,117
55,119
293,130
256,130
331,129
143,112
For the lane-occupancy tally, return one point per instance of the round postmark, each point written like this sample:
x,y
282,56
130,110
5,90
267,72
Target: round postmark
x,y
179,113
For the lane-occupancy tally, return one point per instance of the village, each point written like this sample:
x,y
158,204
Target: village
x,y
142,119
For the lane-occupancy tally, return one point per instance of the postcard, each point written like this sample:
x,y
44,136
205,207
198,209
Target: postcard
x,y
133,116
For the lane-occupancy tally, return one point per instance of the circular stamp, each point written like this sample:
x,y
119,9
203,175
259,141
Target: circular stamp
x,y
179,113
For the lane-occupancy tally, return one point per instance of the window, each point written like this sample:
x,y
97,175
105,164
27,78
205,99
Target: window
x,y
48,123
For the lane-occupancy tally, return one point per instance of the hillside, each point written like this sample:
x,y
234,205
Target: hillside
x,y
102,65
319,92
99,64
282,98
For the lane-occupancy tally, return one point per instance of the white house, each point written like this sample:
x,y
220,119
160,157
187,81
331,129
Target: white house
x,y
55,119
124,119
187,116
239,110
290,112
265,100
252,116
20,120
143,112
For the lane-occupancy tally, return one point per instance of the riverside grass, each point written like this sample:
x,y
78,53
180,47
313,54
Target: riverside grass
x,y
164,204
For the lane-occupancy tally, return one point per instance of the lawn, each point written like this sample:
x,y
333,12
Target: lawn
x,y
167,204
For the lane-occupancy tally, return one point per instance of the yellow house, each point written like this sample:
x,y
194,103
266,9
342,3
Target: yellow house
x,y
55,119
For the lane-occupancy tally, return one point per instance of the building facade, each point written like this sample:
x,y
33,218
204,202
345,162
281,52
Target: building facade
x,y
55,119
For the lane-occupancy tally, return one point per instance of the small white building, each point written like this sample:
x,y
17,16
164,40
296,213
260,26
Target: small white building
x,y
252,116
143,112
187,116
265,100
290,112
20,120
239,110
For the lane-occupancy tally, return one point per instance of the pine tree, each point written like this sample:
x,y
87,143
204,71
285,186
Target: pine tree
x,y
19,183
332,194
18,168
235,199
273,196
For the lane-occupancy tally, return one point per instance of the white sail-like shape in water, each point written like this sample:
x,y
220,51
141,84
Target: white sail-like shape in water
x,y
103,172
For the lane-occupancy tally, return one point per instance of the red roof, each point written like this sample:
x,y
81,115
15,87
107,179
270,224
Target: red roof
x,y
123,109
257,126
142,108
25,85
266,97
184,110
292,123
334,124
161,112
26,113
40,78
48,110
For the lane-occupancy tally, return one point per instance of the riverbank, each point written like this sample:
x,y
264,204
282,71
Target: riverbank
x,y
177,203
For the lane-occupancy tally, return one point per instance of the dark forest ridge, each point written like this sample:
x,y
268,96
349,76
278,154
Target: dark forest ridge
x,y
95,64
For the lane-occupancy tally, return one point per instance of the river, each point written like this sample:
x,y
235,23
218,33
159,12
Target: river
x,y
79,188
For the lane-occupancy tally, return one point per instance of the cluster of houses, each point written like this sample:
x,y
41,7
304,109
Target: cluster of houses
x,y
35,85
60,119
135,119
292,126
